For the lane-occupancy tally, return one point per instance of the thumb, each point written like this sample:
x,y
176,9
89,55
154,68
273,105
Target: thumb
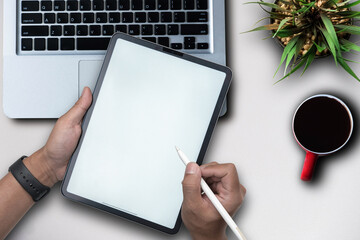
x,y
191,184
77,112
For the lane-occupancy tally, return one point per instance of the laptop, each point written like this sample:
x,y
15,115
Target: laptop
x,y
52,49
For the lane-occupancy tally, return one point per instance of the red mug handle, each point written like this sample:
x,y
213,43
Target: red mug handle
x,y
309,166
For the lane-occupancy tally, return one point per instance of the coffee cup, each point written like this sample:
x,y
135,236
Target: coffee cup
x,y
322,125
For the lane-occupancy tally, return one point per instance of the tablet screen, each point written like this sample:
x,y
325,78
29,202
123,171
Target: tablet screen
x,y
148,102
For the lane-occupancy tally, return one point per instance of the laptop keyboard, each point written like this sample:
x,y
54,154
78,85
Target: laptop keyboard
x,y
74,26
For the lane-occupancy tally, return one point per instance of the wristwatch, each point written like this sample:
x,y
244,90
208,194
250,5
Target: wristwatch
x,y
36,190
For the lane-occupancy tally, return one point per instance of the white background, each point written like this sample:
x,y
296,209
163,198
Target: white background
x,y
255,135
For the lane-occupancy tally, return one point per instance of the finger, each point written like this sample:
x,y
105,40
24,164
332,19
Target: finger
x,y
77,112
209,164
226,173
191,185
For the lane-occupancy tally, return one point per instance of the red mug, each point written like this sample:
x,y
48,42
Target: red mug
x,y
322,124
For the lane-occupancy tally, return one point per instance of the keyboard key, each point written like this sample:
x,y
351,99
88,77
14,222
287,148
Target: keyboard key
x,y
175,4
194,29
72,5
69,30
173,29
88,18
98,5
176,45
150,4
163,41
59,6
153,17
124,5
26,44
114,17
163,4
46,6
34,31
189,45
146,30
62,18
67,44
110,5
75,17
179,17
39,44
197,17
150,39
95,30
82,30
137,5
189,39
166,17
202,45
201,4
189,4
160,29
30,6
140,17
49,18
101,17
56,31
85,5
108,30
31,18
127,17
92,43
121,28
134,29
53,44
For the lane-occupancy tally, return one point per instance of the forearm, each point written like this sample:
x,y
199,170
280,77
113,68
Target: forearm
x,y
14,200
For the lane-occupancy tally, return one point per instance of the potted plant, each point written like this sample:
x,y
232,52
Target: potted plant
x,y
308,29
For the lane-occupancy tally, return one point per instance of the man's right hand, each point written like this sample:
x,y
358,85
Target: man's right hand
x,y
198,213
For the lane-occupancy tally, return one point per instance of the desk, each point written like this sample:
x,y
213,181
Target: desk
x,y
255,135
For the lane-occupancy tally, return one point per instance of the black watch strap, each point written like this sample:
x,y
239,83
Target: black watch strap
x,y
36,190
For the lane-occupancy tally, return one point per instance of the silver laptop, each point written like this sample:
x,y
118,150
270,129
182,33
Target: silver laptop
x,y
53,49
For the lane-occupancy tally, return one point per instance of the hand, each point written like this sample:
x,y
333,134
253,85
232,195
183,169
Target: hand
x,y
49,163
198,213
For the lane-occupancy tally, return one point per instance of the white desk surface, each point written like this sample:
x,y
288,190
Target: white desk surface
x,y
256,136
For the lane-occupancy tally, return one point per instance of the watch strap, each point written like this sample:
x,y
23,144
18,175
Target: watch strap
x,y
31,185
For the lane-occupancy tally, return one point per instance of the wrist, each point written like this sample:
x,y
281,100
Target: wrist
x,y
197,236
37,165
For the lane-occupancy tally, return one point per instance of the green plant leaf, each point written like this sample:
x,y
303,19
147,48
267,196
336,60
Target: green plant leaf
x,y
310,58
331,30
349,45
330,43
282,23
302,62
289,58
288,31
347,68
319,48
331,3
271,5
286,51
349,5
348,29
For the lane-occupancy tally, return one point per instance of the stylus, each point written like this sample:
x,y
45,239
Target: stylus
x,y
225,215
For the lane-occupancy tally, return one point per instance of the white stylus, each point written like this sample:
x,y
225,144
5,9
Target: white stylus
x,y
225,215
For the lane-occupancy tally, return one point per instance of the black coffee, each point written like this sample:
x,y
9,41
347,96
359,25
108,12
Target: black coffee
x,y
322,124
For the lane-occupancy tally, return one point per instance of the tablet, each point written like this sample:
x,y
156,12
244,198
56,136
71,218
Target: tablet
x,y
148,98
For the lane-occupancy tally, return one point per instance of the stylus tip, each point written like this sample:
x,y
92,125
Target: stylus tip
x,y
177,149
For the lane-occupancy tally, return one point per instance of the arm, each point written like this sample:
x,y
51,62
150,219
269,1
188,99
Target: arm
x,y
198,213
48,165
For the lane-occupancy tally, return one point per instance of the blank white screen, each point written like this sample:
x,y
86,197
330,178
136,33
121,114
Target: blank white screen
x,y
148,103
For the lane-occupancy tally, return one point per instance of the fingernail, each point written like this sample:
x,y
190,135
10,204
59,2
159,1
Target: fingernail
x,y
191,168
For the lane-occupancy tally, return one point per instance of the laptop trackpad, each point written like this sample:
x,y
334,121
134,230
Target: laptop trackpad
x,y
88,74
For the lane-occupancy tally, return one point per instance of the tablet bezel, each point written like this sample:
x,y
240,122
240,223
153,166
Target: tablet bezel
x,y
87,117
